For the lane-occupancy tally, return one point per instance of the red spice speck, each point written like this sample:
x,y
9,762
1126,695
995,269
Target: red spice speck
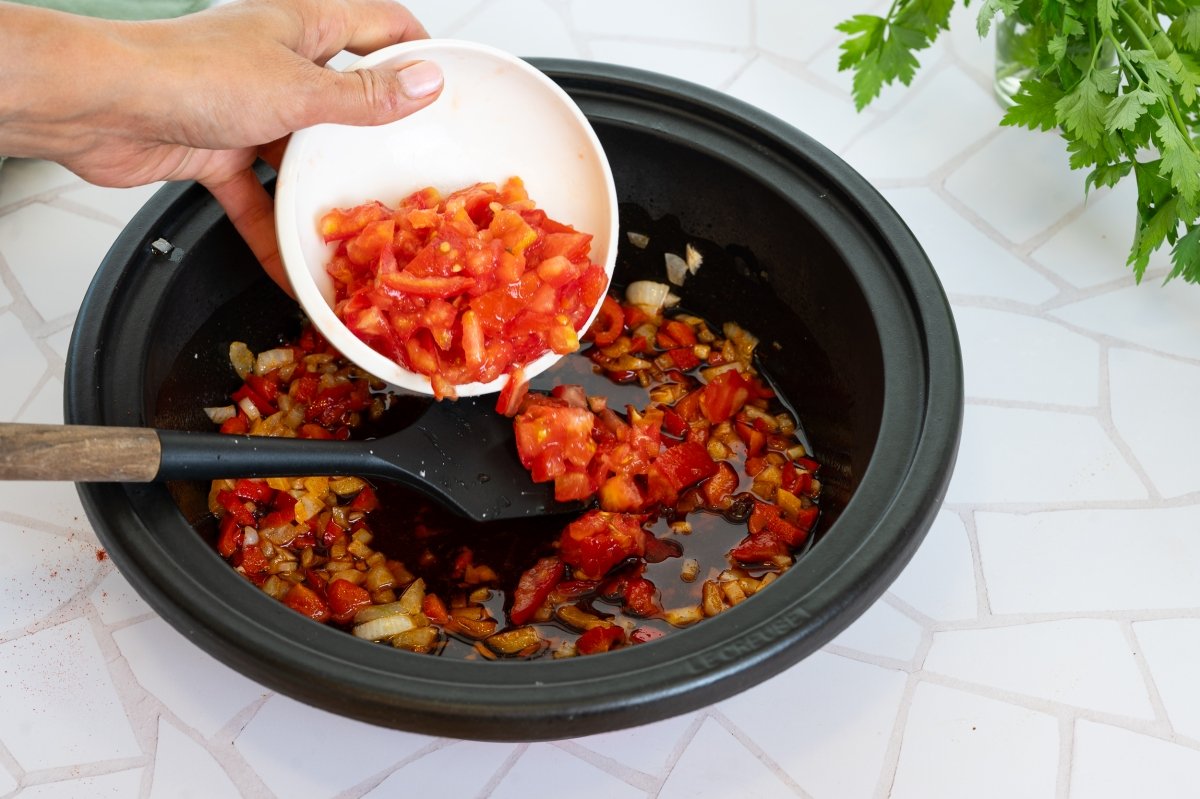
x,y
101,555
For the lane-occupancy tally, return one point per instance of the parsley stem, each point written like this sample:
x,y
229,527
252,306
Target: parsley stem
x,y
1140,34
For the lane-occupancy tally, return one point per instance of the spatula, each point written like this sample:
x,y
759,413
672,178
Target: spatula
x,y
459,454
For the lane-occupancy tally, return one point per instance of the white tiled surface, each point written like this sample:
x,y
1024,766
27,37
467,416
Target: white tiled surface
x,y
1042,642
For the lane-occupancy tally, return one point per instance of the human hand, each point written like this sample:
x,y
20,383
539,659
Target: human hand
x,y
203,96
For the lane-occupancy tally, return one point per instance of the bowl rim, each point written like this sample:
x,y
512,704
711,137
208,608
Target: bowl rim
x,y
299,271
544,700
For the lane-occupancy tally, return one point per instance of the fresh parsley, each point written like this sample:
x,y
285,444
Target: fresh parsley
x,y
1118,79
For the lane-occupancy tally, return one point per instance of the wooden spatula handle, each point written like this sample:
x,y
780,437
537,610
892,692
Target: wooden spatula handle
x,y
78,453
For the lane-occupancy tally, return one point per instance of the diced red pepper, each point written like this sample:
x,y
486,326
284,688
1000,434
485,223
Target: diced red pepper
x,y
599,639
435,609
283,511
724,396
303,599
684,358
685,464
253,559
366,500
236,507
346,599
534,586
255,490
673,423
754,439
237,425
609,323
718,488
229,539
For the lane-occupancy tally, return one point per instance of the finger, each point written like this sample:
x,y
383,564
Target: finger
x,y
379,23
323,29
367,96
252,212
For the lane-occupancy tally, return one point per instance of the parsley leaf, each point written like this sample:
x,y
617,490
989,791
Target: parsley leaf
x,y
1118,79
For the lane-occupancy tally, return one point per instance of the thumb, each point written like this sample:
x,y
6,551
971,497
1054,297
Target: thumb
x,y
371,96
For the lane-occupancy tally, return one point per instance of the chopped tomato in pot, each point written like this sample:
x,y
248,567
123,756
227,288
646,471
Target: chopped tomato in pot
x,y
598,540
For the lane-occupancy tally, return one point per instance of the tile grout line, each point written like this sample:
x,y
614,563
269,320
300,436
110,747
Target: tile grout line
x,y
754,749
499,774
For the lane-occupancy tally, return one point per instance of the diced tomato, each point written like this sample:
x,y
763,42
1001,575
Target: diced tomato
x,y
598,540
641,597
465,289
371,241
571,245
342,224
599,639
552,440
513,393
620,493
346,599
303,599
534,586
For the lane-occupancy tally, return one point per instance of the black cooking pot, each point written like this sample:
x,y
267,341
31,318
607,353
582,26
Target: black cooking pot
x,y
856,334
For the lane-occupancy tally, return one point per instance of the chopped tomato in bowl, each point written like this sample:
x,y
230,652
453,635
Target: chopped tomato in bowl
x,y
462,289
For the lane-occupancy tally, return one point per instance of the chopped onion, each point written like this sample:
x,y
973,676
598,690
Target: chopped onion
x,y
241,358
681,617
639,240
221,414
374,612
650,296
249,408
378,629
677,268
694,259
270,360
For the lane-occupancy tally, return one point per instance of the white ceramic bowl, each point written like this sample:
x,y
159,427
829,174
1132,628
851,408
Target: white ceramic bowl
x,y
497,117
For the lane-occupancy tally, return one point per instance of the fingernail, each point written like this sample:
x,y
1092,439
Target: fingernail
x,y
420,79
